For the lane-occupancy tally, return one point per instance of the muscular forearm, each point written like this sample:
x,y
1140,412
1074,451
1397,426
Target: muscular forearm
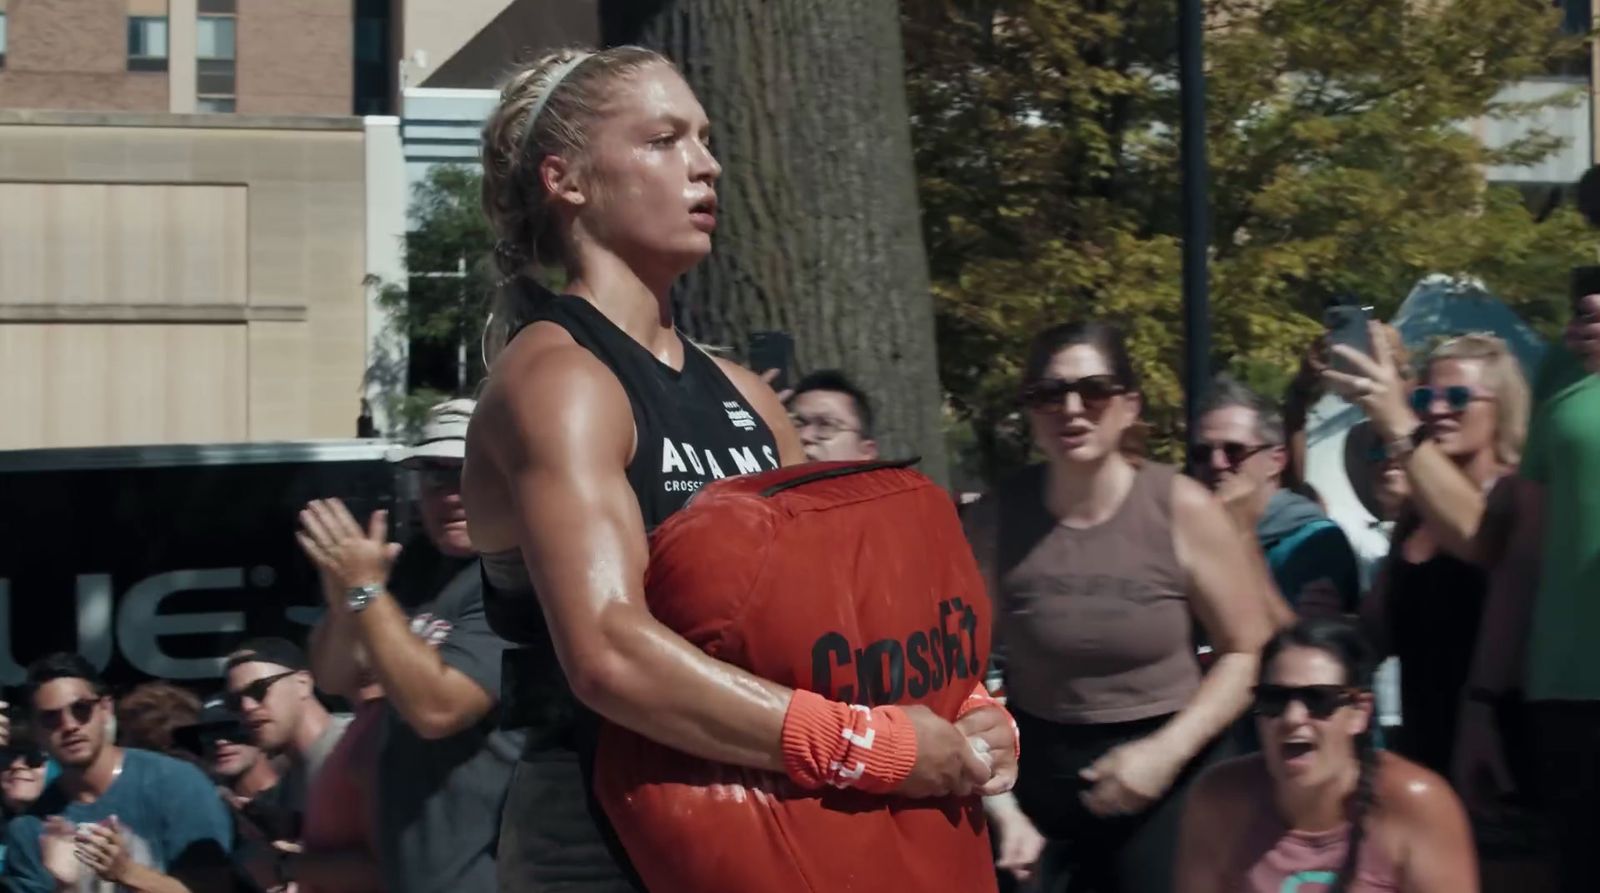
x,y
1450,502
1222,697
659,685
415,679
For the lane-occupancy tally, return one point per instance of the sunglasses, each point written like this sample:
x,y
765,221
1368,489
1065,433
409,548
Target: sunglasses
x,y
1050,394
1233,453
1458,397
1321,701
441,475
33,759
82,711
255,691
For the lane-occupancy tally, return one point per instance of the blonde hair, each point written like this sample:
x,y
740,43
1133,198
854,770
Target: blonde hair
x,y
546,108
1502,376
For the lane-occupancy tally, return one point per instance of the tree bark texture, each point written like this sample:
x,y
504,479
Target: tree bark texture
x,y
819,232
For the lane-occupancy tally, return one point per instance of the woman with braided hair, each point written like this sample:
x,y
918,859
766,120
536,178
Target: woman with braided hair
x,y
598,421
1320,810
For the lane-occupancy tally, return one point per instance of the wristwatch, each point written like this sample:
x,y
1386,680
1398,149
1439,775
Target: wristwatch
x,y
1402,447
357,598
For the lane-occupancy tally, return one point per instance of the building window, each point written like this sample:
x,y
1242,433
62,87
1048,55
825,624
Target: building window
x,y
219,7
216,73
214,38
374,69
2,36
147,43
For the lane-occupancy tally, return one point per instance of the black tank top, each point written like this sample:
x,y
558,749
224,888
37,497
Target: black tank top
x,y
1435,608
692,426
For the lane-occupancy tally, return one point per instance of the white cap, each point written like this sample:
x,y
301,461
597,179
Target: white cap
x,y
444,435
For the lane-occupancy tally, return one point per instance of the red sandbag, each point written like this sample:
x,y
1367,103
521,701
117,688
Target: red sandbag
x,y
852,581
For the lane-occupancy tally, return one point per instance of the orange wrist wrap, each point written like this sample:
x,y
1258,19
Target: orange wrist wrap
x,y
981,698
846,745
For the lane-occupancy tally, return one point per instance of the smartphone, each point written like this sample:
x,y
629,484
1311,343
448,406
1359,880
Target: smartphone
x,y
1585,281
1347,325
772,350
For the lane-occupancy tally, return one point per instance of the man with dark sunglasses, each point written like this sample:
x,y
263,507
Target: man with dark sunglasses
x,y
223,744
1239,452
117,816
269,687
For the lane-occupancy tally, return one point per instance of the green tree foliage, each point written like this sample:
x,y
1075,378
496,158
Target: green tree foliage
x,y
1343,161
440,307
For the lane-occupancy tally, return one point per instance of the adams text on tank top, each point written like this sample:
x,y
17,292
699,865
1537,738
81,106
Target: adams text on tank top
x,y
691,425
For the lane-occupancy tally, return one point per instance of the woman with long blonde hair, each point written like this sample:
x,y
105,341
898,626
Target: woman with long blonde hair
x,y
1454,437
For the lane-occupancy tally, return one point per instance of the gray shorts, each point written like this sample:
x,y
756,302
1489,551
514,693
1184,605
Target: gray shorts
x,y
549,842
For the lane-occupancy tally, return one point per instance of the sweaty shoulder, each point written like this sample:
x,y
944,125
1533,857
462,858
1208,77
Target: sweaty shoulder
x,y
1229,792
1413,794
545,391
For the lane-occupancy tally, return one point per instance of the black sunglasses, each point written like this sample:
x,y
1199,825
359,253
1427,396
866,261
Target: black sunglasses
x,y
82,711
255,691
1458,397
441,475
1051,393
1234,453
33,759
1321,700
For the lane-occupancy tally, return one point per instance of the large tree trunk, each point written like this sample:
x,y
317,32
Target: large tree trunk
x,y
819,232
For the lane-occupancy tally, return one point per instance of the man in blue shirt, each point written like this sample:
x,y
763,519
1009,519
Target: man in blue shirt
x,y
116,816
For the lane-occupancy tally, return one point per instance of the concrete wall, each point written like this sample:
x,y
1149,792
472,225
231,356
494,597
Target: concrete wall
x,y
73,54
183,278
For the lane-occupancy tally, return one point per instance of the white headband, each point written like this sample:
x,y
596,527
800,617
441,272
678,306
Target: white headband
x,y
556,77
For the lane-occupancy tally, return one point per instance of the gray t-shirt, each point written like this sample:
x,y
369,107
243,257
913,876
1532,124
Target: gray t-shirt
x,y
439,802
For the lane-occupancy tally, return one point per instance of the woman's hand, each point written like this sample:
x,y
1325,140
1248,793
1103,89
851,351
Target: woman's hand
x,y
104,850
1130,777
58,851
994,728
1019,843
1376,386
345,555
946,763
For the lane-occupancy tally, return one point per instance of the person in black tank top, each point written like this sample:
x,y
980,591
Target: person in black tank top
x,y
598,421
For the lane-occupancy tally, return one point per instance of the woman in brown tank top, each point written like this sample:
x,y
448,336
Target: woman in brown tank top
x,y
1098,565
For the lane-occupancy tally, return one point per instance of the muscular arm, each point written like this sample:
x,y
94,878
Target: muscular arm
x,y
563,448
1229,593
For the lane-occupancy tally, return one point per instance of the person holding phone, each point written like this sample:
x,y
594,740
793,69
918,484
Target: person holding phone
x,y
1454,437
599,419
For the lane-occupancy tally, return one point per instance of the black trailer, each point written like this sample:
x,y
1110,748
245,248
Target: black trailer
x,y
154,561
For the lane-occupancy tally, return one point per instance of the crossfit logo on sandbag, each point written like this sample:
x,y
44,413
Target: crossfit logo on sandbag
x,y
876,674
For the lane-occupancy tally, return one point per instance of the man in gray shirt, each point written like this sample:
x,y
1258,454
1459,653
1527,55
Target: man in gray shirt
x,y
418,624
